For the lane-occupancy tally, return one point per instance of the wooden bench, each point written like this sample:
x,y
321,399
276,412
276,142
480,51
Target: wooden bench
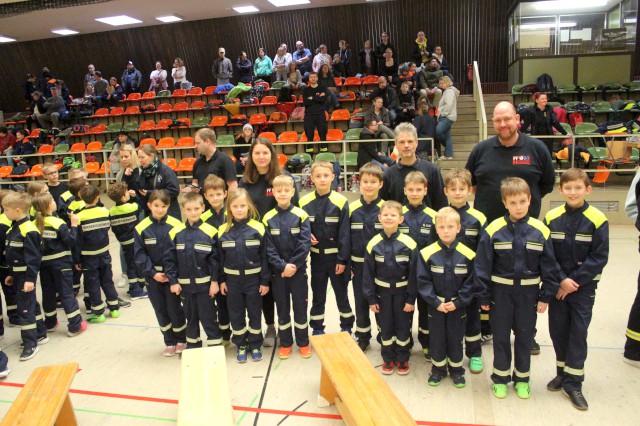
x,y
349,380
204,389
44,399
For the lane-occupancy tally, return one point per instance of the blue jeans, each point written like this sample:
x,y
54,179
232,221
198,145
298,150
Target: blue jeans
x,y
443,133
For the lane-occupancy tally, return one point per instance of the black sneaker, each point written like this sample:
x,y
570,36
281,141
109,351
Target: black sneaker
x,y
363,344
123,303
535,347
435,378
577,399
555,384
459,380
41,341
28,353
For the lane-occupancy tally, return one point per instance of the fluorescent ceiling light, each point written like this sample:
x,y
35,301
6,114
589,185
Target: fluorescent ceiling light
x,y
568,4
65,31
547,25
116,21
4,39
246,9
169,18
630,21
283,3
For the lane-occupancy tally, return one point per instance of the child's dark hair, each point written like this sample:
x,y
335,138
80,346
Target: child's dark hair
x,y
192,197
160,195
40,204
575,174
76,184
117,191
371,169
513,186
89,193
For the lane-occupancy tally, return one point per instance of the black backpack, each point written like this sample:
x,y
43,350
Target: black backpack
x,y
544,83
285,94
257,92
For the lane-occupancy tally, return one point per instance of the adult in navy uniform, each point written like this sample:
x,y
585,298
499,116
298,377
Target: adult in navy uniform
x,y
632,346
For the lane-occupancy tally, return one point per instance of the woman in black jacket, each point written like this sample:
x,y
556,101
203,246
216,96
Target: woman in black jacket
x,y
155,175
542,119
368,53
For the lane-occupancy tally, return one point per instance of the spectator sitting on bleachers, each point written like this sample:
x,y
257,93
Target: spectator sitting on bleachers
x,y
100,85
178,73
131,79
369,151
88,77
7,142
380,114
425,125
388,95
368,60
444,65
422,49
382,47
35,109
321,58
22,147
241,148
113,93
390,68
302,58
337,67
63,90
88,92
244,68
325,78
345,58
406,107
55,109
263,66
281,63
158,78
429,80
294,80
29,87
222,68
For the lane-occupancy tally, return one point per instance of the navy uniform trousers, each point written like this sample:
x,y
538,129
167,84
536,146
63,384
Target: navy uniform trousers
x,y
29,314
321,273
97,275
288,291
513,308
56,279
199,308
10,300
223,316
363,313
472,335
632,346
395,327
169,313
446,332
243,297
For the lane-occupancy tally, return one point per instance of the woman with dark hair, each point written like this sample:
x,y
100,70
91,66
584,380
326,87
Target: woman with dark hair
x,y
261,168
382,47
155,175
542,119
263,66
325,78
244,68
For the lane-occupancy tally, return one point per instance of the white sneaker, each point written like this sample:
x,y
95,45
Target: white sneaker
x,y
123,281
631,362
5,373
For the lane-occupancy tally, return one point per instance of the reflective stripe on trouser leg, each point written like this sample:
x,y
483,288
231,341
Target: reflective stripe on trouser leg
x,y
456,325
319,282
437,339
473,335
92,286
281,288
581,309
424,335
28,311
253,307
63,281
340,285
402,327
47,284
190,304
363,313
524,327
135,285
168,310
208,318
502,313
223,314
385,321
559,325
632,345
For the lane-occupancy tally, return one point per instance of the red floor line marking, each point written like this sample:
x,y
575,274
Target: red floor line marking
x,y
235,407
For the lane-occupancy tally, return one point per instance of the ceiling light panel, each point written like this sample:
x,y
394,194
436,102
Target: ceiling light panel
x,y
283,3
4,39
65,31
169,18
246,9
119,20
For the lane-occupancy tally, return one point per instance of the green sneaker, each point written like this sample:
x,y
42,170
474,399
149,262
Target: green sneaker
x,y
115,314
500,391
475,365
96,318
522,389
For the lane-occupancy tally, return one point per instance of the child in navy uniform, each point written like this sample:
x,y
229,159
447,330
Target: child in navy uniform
x,y
245,272
515,255
9,291
23,257
364,226
390,287
192,269
580,234
289,241
445,282
151,240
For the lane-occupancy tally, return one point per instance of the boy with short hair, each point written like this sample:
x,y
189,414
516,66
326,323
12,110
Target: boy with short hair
x,y
215,192
9,291
56,188
515,254
23,257
389,286
288,243
363,215
330,243
93,246
192,268
445,282
457,188
124,218
580,234
418,224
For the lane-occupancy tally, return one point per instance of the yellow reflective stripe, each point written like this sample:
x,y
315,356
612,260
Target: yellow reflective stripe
x,y
316,317
520,374
363,329
388,285
28,327
126,243
502,245
460,271
56,255
500,280
423,330
473,338
192,340
633,334
19,269
158,268
179,329
199,280
437,269
439,363
557,236
112,303
223,326
357,259
165,327
254,330
315,250
455,364
574,371
442,299
530,281
50,314
73,314
246,271
346,315
284,326
300,326
484,317
213,342
560,364
503,373
584,238
240,332
402,342
388,342
202,247
331,251
597,277
534,246
16,244
94,252
98,307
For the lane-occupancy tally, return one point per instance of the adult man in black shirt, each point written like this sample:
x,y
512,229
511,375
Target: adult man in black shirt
x,y
314,97
509,154
211,162
393,188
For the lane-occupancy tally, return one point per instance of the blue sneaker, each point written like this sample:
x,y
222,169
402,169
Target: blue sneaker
x,y
256,355
242,354
140,294
317,332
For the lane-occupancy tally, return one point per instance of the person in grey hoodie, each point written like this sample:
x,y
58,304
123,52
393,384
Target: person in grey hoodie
x,y
222,68
447,115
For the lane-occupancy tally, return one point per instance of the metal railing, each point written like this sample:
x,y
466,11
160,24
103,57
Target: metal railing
x,y
478,97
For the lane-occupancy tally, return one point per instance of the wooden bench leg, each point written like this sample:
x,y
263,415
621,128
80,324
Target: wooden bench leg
x,y
66,417
328,392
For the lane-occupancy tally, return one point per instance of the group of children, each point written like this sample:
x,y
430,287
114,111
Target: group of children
x,y
213,269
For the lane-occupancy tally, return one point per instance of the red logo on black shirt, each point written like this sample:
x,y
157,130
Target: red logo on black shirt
x,y
269,192
521,160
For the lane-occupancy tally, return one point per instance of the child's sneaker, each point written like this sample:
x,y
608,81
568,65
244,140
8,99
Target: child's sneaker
x,y
317,332
500,391
256,355
96,318
535,347
435,378
181,347
5,373
555,384
82,329
115,313
241,357
140,294
270,337
27,354
426,355
387,368
459,381
522,390
284,352
123,303
403,368
305,351
475,365
41,341
363,344
169,351
123,281
49,330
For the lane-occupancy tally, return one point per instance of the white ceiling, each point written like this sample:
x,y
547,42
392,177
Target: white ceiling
x,y
38,25
529,9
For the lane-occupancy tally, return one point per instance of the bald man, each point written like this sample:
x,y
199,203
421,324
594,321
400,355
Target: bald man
x,y
509,154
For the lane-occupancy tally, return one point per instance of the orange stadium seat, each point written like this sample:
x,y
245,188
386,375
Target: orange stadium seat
x,y
164,123
282,160
270,136
137,97
99,128
170,162
134,109
269,100
209,90
36,171
340,115
94,146
197,105
147,125
288,137
181,106
195,91
256,119
179,93
370,79
101,112
116,111
186,165
218,121
148,95
163,108
92,167
352,81
45,149
148,141
186,141
78,147
167,142
335,135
